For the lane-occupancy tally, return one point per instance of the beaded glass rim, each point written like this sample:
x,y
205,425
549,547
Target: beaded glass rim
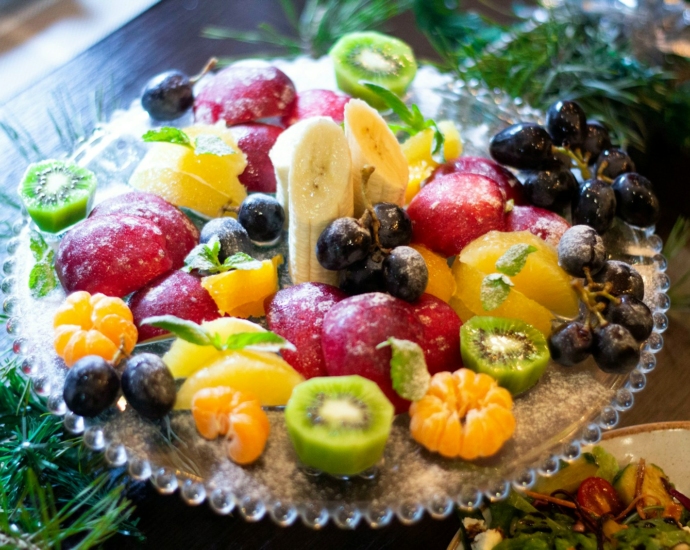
x,y
194,490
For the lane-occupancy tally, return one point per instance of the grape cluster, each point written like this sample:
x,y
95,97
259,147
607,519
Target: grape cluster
x,y
371,253
547,154
615,320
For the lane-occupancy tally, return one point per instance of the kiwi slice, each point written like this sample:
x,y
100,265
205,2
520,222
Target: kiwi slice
x,y
511,351
57,194
339,424
373,57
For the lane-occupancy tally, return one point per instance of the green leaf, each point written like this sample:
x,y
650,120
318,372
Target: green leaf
x,y
393,102
409,372
513,260
42,278
38,245
207,144
167,134
494,291
189,331
241,261
259,341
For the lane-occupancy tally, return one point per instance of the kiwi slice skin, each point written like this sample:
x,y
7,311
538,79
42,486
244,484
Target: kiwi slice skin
x,y
339,424
511,351
57,194
373,57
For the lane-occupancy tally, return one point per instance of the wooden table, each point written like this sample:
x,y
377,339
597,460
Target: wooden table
x,y
168,36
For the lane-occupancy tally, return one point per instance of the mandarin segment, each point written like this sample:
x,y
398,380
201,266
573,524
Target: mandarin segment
x,y
92,325
463,414
441,282
226,411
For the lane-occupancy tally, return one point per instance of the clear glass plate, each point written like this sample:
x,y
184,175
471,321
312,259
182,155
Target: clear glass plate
x,y
567,408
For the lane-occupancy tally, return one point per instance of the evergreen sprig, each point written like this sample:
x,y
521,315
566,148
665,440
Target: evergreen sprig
x,y
53,493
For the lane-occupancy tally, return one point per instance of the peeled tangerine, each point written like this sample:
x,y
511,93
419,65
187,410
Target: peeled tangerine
x,y
463,415
240,292
237,414
264,374
205,183
441,282
92,325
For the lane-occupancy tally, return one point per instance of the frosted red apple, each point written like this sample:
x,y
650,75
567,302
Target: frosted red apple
x,y
455,209
255,140
317,103
243,93
538,221
175,293
297,313
179,232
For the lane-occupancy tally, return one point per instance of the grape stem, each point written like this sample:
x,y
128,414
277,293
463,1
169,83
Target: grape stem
x,y
600,172
579,160
369,216
210,65
589,293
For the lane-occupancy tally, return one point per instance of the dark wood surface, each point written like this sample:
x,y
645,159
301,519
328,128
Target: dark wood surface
x,y
168,36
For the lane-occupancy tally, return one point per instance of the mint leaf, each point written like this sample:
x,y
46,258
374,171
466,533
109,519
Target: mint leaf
x,y
42,278
38,245
409,373
392,101
513,259
207,144
257,341
494,290
242,261
203,257
167,134
187,330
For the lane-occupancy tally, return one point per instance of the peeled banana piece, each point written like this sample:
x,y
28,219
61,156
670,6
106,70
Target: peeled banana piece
x,y
319,191
372,143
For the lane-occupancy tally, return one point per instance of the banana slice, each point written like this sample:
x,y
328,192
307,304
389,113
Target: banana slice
x,y
319,191
373,144
281,158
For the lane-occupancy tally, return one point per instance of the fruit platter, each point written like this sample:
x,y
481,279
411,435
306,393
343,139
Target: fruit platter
x,y
340,289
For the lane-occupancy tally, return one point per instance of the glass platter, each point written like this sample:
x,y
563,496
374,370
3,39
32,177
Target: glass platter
x,y
567,408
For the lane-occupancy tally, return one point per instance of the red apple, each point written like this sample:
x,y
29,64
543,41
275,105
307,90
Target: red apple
x,y
538,221
317,103
256,140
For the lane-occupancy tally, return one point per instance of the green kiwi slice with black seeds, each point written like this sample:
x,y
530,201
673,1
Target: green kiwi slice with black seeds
x,y
57,194
339,424
511,351
372,57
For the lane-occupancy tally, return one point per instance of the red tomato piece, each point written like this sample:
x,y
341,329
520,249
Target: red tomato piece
x,y
598,496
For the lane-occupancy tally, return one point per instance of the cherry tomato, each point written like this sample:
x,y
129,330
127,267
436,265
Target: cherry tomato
x,y
598,496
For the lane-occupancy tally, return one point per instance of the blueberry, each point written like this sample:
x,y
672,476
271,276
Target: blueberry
x,y
633,314
550,189
396,226
614,349
596,141
566,122
612,163
405,273
362,277
232,236
524,146
570,344
167,96
148,385
263,217
343,242
91,386
624,279
636,202
595,205
581,247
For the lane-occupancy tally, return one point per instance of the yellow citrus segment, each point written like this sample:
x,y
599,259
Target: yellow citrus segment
x,y
463,414
205,183
92,325
441,282
541,279
516,306
452,142
226,411
264,374
184,358
461,309
241,293
417,150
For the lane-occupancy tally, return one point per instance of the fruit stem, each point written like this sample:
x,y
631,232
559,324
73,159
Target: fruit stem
x,y
589,299
577,158
369,216
210,65
600,175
